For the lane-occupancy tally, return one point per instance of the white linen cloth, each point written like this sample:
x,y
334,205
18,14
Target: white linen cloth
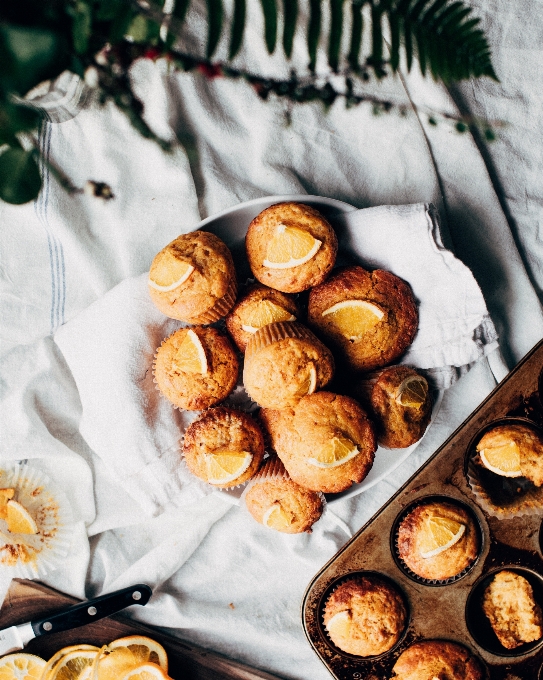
x,y
60,254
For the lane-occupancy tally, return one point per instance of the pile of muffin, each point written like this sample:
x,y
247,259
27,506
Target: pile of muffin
x,y
358,323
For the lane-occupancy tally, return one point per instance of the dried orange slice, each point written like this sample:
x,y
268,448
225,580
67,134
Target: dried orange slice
x,y
412,392
503,460
191,356
309,385
20,521
337,452
143,649
115,660
21,666
223,467
290,247
147,671
354,318
168,273
70,666
439,534
276,518
62,652
264,313
5,496
339,625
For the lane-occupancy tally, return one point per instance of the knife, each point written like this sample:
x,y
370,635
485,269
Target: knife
x,y
17,637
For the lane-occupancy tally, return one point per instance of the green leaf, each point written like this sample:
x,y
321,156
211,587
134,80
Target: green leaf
x,y
107,10
121,22
336,29
376,35
138,29
20,179
394,24
313,31
15,119
238,26
214,20
356,34
270,23
82,26
180,10
290,12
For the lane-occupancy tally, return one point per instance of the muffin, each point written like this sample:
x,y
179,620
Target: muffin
x,y
275,501
224,447
508,603
437,540
290,247
258,307
326,442
284,361
370,317
513,450
365,616
401,405
196,368
431,659
193,279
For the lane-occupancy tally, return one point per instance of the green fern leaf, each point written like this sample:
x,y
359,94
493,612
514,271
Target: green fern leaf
x,y
376,36
214,21
313,31
270,23
238,26
290,10
336,28
356,34
180,10
394,24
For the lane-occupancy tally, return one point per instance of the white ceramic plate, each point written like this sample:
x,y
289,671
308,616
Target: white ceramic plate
x,y
231,225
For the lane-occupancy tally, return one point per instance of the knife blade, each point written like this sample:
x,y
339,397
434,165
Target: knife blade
x,y
17,637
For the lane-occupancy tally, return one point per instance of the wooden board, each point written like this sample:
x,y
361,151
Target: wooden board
x,y
27,600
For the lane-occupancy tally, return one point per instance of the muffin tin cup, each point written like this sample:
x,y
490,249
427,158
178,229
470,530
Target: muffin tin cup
x,y
345,579
395,534
523,498
219,309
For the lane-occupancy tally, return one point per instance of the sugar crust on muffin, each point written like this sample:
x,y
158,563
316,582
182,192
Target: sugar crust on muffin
x,y
223,430
372,615
284,361
392,333
194,390
301,277
209,292
298,433
431,659
447,564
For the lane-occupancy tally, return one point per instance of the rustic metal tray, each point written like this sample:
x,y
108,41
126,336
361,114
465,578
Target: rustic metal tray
x,y
450,611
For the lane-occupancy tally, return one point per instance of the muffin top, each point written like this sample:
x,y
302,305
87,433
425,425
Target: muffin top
x,y
257,307
438,540
326,441
290,247
365,616
431,659
224,447
196,368
371,317
190,275
514,615
284,361
402,405
281,504
513,450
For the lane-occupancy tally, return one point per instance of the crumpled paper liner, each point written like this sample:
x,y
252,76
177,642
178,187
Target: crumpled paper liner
x,y
275,332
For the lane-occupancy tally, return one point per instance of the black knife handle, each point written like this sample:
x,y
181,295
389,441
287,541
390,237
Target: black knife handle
x,y
92,610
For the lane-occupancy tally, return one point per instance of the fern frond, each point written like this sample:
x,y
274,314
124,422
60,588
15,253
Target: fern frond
x,y
336,30
238,26
214,25
270,23
356,33
313,31
290,12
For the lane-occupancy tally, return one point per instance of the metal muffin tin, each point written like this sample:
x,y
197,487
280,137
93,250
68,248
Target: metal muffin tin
x,y
450,611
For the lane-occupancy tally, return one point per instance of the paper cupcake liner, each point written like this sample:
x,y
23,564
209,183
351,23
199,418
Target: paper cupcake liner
x,y
34,556
221,307
275,332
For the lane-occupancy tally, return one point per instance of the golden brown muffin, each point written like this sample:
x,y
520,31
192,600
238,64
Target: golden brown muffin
x,y
523,449
425,533
196,368
514,615
401,406
224,447
370,317
290,247
193,279
284,361
326,441
431,659
365,616
279,503
258,307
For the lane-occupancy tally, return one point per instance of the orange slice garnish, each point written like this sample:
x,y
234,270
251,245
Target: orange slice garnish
x,y
223,467
336,452
191,356
168,273
20,521
290,247
264,313
354,318
439,534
